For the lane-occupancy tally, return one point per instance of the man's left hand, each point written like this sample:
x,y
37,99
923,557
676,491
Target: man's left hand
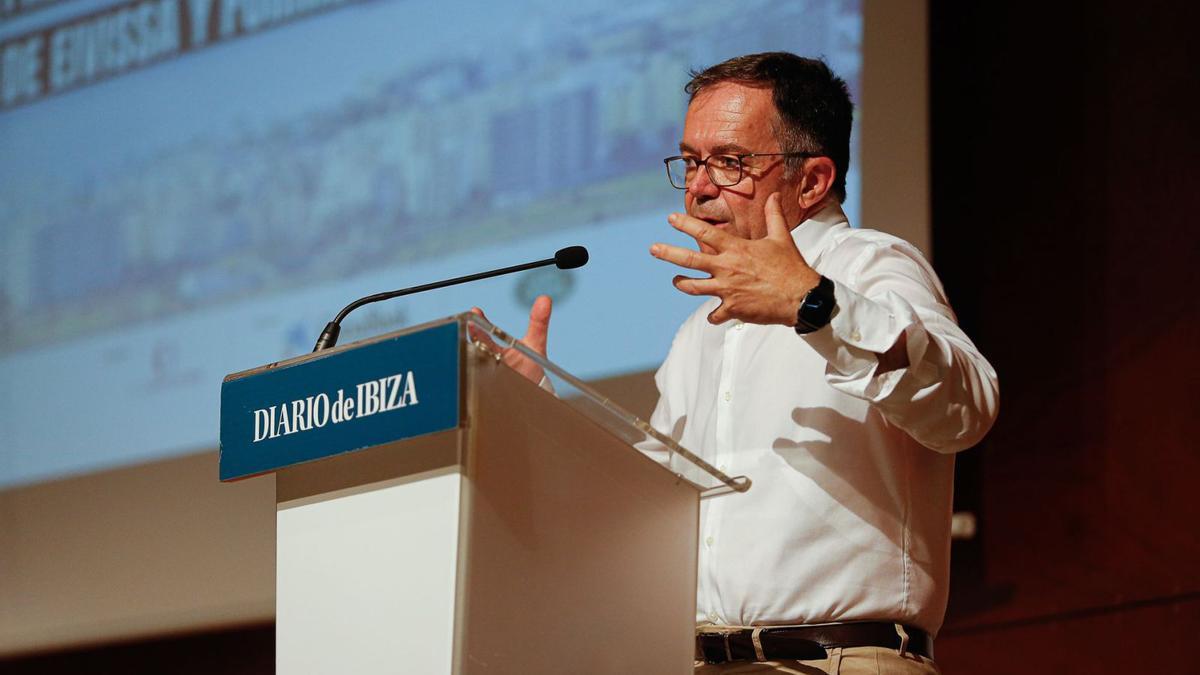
x,y
758,280
535,339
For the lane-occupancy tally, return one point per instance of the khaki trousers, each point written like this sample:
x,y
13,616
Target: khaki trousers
x,y
840,661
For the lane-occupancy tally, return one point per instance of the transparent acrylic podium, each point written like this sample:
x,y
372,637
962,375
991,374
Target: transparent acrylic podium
x,y
547,532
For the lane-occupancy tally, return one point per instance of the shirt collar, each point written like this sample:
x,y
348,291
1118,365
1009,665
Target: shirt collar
x,y
814,236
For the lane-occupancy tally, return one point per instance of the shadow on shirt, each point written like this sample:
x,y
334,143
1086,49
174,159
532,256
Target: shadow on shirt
x,y
867,483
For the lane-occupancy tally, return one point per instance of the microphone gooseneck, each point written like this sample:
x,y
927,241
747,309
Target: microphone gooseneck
x,y
567,258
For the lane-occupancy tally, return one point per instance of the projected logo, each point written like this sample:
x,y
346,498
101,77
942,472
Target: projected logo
x,y
555,283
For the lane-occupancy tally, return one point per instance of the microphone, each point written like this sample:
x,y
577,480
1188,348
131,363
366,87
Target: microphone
x,y
569,258
565,259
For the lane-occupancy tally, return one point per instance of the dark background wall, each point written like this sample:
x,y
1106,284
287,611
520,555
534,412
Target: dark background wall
x,y
1065,193
1064,182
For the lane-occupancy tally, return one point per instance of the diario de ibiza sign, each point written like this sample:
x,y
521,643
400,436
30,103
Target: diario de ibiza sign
x,y
395,388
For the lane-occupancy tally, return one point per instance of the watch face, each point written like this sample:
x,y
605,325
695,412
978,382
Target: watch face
x,y
817,309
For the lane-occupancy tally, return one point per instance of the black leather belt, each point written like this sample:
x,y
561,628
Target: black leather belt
x,y
808,642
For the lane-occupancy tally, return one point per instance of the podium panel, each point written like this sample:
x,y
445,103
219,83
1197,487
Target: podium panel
x,y
579,555
366,578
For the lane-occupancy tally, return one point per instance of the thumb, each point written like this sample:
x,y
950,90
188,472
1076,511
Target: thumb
x,y
539,324
777,226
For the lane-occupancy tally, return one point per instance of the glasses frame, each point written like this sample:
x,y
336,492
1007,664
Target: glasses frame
x,y
741,158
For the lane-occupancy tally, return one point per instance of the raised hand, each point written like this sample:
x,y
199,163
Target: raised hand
x,y
535,339
758,280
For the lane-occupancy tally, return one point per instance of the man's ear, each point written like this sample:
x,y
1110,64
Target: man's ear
x,y
816,181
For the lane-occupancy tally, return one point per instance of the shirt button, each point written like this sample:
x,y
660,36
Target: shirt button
x,y
712,616
738,325
855,335
722,468
728,396
708,542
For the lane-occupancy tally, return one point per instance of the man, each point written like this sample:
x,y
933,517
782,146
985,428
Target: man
x,y
828,368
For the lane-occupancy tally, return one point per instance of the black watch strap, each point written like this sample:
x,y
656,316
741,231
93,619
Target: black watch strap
x,y
816,310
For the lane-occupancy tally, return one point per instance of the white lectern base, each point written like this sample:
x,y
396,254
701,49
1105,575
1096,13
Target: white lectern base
x,y
366,578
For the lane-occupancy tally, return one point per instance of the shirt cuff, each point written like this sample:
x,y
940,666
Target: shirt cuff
x,y
860,331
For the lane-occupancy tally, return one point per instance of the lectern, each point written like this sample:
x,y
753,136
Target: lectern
x,y
437,512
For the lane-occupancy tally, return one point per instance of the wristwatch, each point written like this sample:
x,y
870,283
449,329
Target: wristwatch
x,y
817,308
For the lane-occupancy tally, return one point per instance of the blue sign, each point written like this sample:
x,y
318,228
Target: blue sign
x,y
397,388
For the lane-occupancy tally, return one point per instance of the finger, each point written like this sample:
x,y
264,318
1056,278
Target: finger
x,y
539,324
699,230
719,315
693,286
684,257
480,335
777,227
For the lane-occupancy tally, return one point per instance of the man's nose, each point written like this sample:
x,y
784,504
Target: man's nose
x,y
702,186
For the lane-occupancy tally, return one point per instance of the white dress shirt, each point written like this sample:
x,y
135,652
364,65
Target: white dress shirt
x,y
848,518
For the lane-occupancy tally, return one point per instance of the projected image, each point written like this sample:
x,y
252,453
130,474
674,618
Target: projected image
x,y
202,194
424,156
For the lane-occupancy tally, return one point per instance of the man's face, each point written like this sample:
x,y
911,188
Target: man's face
x,y
730,118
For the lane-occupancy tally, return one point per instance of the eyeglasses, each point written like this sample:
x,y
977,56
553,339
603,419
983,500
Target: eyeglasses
x,y
723,170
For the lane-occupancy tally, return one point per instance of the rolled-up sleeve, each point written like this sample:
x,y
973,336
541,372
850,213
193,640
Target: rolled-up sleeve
x,y
948,395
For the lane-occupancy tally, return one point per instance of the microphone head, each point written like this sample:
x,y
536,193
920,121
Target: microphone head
x,y
571,257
